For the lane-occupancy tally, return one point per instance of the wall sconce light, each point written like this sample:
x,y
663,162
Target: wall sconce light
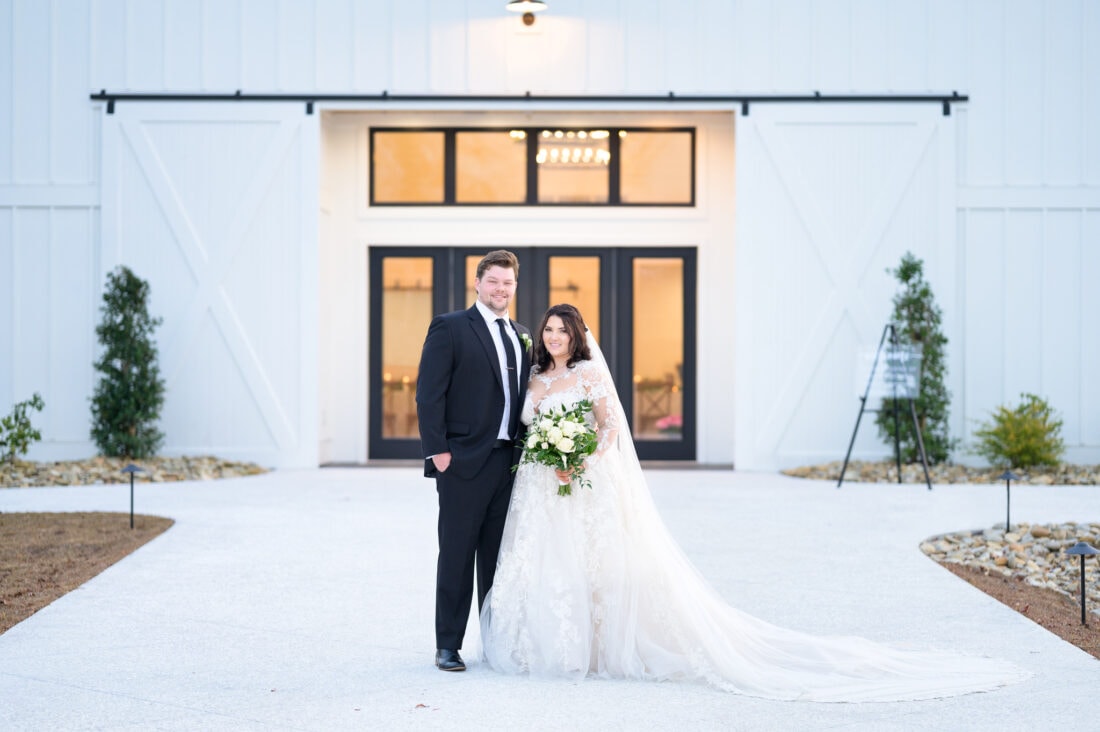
x,y
527,7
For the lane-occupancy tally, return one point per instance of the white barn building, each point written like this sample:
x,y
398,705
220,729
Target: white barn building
x,y
664,164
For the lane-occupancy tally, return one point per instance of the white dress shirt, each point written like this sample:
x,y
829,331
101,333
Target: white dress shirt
x,y
494,331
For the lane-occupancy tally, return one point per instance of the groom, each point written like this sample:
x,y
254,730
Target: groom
x,y
469,391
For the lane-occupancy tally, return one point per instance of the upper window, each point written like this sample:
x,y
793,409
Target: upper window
x,y
407,166
532,166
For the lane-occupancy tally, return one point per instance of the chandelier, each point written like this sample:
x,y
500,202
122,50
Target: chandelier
x,y
570,148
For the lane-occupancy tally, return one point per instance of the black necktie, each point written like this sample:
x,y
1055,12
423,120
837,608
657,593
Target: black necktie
x,y
513,376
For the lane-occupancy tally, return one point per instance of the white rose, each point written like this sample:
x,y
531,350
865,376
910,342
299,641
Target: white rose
x,y
569,429
545,423
565,445
532,440
554,434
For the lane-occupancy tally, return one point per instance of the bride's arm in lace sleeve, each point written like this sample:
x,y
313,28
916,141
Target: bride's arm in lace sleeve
x,y
605,407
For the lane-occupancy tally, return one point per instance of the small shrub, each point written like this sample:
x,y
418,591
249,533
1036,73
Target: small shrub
x,y
1024,437
16,431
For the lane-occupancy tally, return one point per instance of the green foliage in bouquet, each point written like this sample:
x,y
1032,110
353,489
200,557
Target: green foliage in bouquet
x,y
1024,437
16,430
561,439
127,401
918,321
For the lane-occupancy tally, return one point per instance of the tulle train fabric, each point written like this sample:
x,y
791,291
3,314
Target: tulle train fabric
x,y
594,584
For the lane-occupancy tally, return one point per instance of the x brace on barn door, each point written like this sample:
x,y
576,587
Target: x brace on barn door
x,y
745,101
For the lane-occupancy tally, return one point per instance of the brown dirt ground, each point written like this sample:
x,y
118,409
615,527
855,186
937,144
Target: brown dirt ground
x,y
46,555
1052,610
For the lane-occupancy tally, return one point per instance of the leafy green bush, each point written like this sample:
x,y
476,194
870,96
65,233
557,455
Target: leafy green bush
x,y
1023,437
127,401
16,430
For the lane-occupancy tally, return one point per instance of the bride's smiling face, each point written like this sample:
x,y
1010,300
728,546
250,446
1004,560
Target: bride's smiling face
x,y
555,338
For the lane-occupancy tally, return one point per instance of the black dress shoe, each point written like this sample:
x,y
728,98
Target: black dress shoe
x,y
448,660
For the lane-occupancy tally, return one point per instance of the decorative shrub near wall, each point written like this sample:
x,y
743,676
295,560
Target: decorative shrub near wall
x,y
16,431
1024,437
918,321
127,401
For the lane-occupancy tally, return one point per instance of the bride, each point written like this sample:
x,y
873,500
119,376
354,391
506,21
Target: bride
x,y
592,583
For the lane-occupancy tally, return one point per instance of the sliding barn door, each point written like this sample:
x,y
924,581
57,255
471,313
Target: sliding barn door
x,y
828,198
215,205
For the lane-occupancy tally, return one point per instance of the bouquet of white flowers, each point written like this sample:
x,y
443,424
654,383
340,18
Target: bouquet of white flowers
x,y
561,439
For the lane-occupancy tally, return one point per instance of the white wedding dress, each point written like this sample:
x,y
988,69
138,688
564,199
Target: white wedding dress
x,y
593,584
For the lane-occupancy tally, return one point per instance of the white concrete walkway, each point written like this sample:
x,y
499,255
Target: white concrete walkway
x,y
303,601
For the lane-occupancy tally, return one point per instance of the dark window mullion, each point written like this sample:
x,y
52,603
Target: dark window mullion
x,y
370,159
532,167
449,167
613,170
692,166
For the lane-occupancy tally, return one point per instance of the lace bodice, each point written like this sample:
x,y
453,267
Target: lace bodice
x,y
586,380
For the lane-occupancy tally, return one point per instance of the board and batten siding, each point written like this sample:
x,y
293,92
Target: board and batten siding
x,y
1026,234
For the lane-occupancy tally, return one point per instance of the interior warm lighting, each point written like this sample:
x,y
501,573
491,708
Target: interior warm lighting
x,y
573,148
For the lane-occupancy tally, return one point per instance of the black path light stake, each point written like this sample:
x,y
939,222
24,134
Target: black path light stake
x,y
1082,550
1008,476
131,469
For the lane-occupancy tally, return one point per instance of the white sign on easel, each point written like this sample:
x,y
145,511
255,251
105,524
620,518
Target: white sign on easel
x,y
890,371
896,375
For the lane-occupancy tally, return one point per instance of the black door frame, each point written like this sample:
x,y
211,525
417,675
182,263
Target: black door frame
x,y
622,369
616,306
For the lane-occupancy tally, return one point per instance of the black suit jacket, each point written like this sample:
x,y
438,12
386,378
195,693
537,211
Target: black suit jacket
x,y
459,394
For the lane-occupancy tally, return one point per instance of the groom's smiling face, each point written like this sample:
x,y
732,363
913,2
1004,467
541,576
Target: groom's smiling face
x,y
495,289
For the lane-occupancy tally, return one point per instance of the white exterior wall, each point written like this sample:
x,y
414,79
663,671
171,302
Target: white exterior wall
x,y
1027,152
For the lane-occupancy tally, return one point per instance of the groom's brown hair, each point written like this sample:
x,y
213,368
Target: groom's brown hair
x,y
498,258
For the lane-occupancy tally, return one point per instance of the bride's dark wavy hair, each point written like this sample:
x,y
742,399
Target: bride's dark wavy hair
x,y
574,326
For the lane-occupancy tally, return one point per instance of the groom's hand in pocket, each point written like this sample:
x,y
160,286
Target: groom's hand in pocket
x,y
442,461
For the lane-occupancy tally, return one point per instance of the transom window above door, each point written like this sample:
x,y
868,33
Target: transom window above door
x,y
611,166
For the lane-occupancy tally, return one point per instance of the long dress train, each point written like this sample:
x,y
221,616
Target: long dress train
x,y
593,584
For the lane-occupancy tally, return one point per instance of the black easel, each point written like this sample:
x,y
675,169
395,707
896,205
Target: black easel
x,y
897,435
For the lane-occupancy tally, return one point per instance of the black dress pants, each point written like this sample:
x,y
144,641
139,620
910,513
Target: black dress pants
x,y
471,522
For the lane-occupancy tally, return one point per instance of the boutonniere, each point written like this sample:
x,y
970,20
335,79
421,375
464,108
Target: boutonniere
x,y
526,340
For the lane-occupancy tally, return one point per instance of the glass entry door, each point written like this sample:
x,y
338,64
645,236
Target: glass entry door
x,y
638,303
